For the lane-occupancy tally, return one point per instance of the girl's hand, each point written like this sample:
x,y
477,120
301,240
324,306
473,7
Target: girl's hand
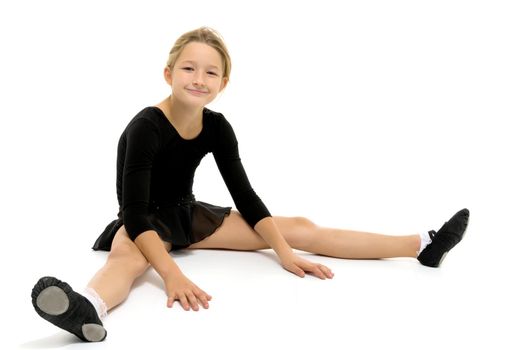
x,y
179,287
300,267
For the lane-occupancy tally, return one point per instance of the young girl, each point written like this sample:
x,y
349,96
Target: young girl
x,y
158,153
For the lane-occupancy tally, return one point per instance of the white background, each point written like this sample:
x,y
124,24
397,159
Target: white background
x,y
385,116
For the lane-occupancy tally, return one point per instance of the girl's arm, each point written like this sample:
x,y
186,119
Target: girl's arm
x,y
177,285
141,146
268,230
253,210
154,251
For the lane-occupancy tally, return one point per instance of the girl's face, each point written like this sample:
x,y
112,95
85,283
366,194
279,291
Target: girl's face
x,y
196,77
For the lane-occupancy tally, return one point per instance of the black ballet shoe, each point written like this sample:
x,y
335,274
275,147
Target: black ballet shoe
x,y
59,304
445,239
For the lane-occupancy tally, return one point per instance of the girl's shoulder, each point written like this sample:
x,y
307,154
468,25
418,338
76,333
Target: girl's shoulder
x,y
216,120
150,117
152,114
211,114
146,124
220,129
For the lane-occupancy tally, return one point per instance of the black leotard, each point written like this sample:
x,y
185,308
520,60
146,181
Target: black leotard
x,y
156,166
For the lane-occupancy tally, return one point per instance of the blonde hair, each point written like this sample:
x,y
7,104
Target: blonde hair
x,y
204,35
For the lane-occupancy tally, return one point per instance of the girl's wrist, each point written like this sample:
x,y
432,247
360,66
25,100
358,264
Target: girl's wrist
x,y
284,253
170,270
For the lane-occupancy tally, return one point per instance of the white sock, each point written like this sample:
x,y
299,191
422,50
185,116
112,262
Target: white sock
x,y
425,240
96,300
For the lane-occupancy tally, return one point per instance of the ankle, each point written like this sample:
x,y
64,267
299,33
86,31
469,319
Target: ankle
x,y
95,299
416,245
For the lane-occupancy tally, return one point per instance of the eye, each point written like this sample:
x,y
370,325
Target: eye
x,y
212,73
189,69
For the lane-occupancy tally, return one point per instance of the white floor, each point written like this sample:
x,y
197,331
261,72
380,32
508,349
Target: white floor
x,y
474,299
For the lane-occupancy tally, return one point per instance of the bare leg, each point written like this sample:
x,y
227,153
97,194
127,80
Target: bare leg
x,y
125,263
303,234
56,302
361,245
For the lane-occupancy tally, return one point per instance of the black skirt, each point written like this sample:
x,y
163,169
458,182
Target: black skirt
x,y
183,223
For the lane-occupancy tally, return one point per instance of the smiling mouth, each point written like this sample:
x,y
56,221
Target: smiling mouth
x,y
197,92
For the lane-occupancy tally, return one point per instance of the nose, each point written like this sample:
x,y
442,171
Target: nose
x,y
197,83
198,79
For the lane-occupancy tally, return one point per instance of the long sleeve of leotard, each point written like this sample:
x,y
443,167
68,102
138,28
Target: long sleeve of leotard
x,y
142,144
230,166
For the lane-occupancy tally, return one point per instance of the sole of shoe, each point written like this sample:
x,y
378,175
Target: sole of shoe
x,y
54,301
93,332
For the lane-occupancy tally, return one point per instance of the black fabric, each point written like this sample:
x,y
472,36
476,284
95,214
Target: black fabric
x,y
156,167
450,234
181,224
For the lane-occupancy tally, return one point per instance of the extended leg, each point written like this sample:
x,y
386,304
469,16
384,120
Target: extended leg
x,y
59,304
124,265
356,244
303,234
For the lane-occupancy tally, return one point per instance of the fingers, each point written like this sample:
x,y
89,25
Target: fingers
x,y
191,299
300,267
203,298
327,272
296,270
322,272
319,270
193,302
171,300
183,300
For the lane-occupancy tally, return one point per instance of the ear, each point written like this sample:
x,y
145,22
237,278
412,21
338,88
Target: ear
x,y
224,83
167,75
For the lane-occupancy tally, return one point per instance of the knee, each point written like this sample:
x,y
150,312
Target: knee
x,y
304,232
304,223
129,257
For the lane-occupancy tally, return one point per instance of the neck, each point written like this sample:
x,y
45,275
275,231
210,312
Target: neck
x,y
186,120
181,113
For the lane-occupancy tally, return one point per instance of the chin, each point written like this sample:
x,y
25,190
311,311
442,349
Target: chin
x,y
200,101
193,101
196,101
